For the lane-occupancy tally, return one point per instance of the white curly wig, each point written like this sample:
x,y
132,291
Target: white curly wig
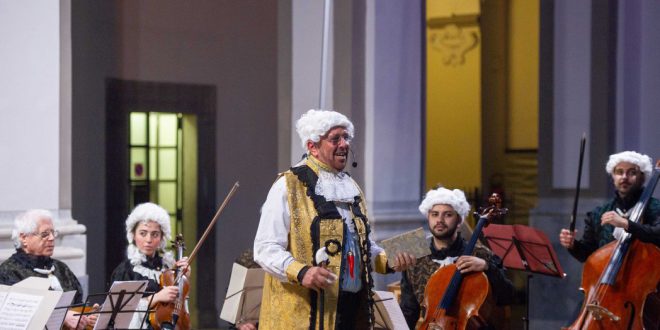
x,y
454,198
641,160
315,123
144,213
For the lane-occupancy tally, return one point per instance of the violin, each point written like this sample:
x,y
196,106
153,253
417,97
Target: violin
x,y
619,276
173,315
455,300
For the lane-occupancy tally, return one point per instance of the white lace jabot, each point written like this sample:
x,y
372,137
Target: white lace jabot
x,y
332,185
336,187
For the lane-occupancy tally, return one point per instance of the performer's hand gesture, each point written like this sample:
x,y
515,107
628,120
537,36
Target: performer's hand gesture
x,y
468,264
614,219
246,326
566,238
403,261
71,320
166,295
317,278
183,263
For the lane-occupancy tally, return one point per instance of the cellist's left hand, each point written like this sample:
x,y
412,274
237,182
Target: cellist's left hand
x,y
467,264
614,219
183,262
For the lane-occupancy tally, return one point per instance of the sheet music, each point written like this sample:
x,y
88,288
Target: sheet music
x,y
388,313
18,309
243,295
57,317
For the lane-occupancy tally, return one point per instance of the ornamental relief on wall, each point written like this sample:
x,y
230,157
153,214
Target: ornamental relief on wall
x,y
453,42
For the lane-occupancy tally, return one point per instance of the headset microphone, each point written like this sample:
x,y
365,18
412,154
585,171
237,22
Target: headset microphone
x,y
354,164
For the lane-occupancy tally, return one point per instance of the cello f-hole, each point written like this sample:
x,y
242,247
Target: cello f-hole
x,y
631,317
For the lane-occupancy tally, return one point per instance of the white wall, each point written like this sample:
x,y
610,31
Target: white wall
x,y
29,104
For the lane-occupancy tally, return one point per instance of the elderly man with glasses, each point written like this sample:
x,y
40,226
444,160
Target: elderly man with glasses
x,y
314,238
34,239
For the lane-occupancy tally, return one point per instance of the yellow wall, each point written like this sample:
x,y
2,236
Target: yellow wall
x,y
453,91
523,77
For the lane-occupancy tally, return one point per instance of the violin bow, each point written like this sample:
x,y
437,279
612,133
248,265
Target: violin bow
x,y
192,255
577,187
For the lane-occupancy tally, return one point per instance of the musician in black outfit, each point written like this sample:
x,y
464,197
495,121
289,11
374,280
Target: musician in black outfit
x,y
630,171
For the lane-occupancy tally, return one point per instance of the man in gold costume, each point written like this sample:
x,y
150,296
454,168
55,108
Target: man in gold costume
x,y
316,209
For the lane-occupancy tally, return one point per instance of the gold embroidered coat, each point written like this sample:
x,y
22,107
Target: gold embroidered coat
x,y
288,305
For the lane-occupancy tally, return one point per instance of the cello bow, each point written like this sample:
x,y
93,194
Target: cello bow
x,y
583,141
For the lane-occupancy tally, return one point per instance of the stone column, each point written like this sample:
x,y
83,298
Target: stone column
x,y
36,112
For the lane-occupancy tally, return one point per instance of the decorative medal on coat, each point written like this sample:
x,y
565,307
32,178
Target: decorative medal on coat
x,y
351,281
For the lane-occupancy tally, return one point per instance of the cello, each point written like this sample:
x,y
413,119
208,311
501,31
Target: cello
x,y
618,277
454,300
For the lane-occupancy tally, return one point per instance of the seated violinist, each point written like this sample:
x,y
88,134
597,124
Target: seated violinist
x,y
445,210
629,171
148,232
34,239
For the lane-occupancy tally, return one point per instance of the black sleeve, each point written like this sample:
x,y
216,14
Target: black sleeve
x,y
124,272
584,247
7,276
409,304
501,286
649,230
121,273
74,283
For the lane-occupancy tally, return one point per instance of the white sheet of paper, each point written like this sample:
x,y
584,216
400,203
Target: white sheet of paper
x,y
18,309
388,313
3,296
57,317
33,282
243,295
130,303
35,289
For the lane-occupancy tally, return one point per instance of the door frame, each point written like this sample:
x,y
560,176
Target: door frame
x,y
124,96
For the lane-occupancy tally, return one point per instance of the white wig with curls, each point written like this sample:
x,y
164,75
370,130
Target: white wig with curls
x,y
313,124
641,160
454,198
144,213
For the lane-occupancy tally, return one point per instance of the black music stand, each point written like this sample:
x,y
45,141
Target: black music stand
x,y
120,304
523,248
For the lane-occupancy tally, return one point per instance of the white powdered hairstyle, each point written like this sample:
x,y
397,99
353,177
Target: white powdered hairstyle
x,y
641,160
454,198
313,124
144,213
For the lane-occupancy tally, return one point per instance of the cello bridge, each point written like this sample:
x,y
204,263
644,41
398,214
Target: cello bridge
x,y
599,311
